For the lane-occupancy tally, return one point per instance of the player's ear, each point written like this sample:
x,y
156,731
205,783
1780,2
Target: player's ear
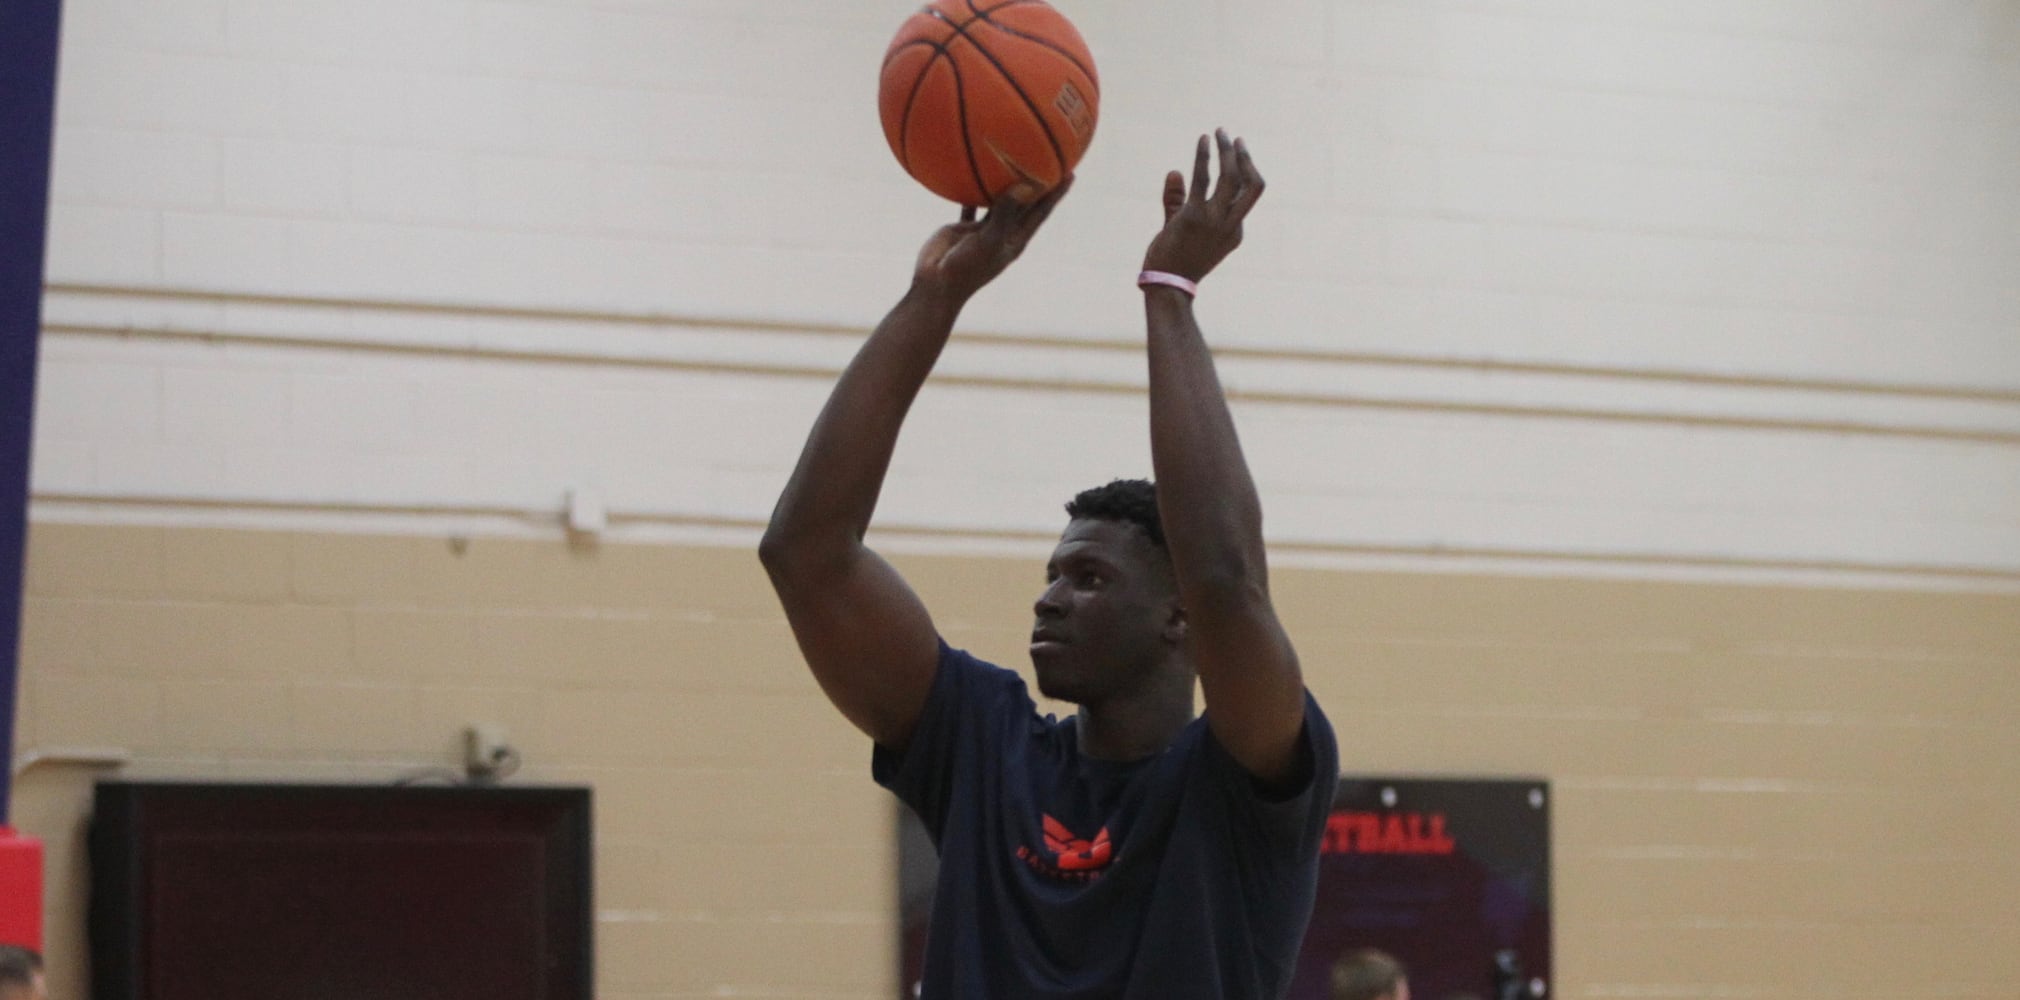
x,y
1174,624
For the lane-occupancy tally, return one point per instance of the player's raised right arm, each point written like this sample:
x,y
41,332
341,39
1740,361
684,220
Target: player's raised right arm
x,y
865,634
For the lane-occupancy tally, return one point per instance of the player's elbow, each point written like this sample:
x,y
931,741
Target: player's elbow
x,y
1231,582
794,557
784,551
800,531
775,549
786,555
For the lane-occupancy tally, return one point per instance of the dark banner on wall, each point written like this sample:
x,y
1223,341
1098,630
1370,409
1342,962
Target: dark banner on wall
x,y
27,105
1451,877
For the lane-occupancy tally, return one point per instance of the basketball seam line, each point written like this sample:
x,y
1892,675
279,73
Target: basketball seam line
x,y
961,32
983,15
905,117
967,144
960,101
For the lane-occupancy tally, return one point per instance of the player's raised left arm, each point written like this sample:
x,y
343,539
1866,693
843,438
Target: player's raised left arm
x,y
1212,515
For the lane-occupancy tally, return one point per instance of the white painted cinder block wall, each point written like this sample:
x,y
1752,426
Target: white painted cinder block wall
x,y
1589,286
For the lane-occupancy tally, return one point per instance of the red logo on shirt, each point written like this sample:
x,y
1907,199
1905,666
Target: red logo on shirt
x,y
1073,859
1076,855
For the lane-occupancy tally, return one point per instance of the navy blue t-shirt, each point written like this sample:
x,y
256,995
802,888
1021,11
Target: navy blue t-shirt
x,y
1070,878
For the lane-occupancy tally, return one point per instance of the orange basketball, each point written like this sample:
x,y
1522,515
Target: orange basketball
x,y
978,94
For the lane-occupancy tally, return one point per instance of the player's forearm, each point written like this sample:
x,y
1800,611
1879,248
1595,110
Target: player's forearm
x,y
1207,499
834,488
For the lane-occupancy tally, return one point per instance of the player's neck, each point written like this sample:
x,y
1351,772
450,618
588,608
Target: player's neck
x,y
1126,729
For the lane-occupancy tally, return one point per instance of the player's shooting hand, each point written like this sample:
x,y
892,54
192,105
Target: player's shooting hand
x,y
959,259
1201,229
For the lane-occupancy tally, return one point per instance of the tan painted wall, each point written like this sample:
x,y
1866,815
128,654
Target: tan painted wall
x,y
1759,792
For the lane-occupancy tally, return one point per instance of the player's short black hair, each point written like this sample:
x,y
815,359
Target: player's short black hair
x,y
1130,500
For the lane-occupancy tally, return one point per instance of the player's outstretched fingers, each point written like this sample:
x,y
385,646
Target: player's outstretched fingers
x,y
1041,210
1201,159
1229,183
1251,179
1009,208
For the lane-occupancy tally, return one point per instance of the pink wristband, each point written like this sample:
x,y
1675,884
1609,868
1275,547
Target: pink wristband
x,y
1149,278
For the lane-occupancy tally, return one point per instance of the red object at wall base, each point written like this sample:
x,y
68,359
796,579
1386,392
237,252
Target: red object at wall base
x,y
20,889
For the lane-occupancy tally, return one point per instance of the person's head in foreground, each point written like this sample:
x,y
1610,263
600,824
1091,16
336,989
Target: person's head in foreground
x,y
1109,627
21,974
1369,974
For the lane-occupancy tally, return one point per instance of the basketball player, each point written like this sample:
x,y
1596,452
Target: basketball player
x,y
1132,850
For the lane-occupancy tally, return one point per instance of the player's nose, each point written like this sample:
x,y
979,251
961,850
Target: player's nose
x,y
1048,604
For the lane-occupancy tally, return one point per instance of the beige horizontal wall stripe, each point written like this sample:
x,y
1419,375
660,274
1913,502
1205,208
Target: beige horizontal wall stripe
x,y
1037,539
1544,555
437,350
1989,394
2002,438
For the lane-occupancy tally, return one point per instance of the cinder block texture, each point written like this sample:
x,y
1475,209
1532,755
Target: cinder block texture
x,y
1728,762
